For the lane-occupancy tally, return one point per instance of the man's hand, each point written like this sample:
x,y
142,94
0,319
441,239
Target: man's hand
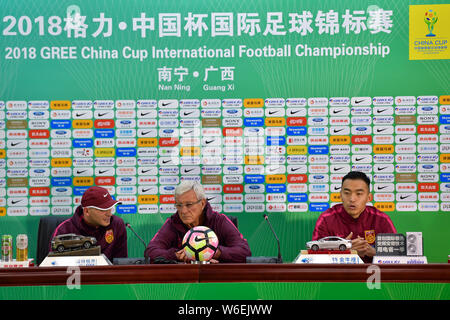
x,y
181,255
362,247
217,254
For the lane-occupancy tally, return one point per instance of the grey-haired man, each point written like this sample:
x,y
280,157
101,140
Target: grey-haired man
x,y
193,209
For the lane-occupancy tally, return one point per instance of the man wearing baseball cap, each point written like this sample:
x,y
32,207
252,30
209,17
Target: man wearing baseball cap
x,y
94,217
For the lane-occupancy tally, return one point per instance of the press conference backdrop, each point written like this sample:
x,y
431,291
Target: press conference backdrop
x,y
267,103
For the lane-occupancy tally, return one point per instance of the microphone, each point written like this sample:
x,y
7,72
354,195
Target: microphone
x,y
145,245
266,217
267,259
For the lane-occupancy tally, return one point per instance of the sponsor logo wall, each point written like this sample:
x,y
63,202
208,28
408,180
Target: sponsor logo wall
x,y
251,154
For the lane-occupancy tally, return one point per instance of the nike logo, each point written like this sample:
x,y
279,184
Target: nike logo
x,y
145,171
15,201
80,114
188,132
145,133
102,171
13,144
381,168
166,161
146,190
337,130
102,114
359,101
143,114
105,195
188,170
295,169
272,112
201,239
381,187
81,171
209,141
404,197
337,111
294,112
165,104
187,113
359,159
380,111
381,130
403,139
337,169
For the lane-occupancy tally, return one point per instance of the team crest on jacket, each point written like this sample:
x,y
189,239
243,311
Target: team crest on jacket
x,y
109,236
369,235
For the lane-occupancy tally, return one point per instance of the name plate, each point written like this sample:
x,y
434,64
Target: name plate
x,y
399,260
75,261
328,258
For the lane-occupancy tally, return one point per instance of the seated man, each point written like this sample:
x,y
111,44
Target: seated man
x,y
94,218
354,220
193,210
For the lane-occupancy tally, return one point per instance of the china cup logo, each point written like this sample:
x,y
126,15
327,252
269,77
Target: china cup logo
x,y
430,19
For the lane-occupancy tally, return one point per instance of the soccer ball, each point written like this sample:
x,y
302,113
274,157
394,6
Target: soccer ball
x,y
200,243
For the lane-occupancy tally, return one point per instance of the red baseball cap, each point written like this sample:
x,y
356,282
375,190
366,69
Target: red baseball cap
x,y
98,198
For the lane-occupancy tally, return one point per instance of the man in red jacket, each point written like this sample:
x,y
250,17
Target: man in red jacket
x,y
94,218
353,219
193,210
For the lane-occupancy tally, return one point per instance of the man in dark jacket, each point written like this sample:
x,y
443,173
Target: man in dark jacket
x,y
194,210
94,218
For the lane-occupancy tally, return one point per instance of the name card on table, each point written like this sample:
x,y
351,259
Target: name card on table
x,y
72,261
305,257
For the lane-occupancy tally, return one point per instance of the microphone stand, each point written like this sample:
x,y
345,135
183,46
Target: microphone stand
x,y
145,245
279,260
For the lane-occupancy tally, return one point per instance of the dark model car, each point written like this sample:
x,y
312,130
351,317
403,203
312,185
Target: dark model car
x,y
67,241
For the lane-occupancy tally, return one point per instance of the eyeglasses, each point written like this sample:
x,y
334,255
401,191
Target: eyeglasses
x,y
180,206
